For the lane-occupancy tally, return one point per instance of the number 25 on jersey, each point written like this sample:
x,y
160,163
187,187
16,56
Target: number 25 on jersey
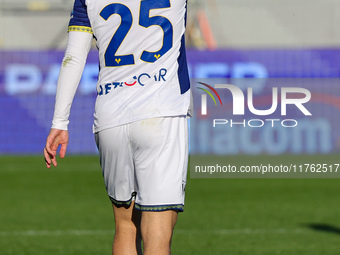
x,y
113,60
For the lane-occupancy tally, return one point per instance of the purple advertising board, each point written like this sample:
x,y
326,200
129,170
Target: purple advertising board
x,y
28,83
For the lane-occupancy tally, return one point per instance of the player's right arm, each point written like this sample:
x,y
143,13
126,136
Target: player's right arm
x,y
78,46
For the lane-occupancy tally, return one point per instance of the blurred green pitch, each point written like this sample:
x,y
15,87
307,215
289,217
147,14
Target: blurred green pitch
x,y
66,211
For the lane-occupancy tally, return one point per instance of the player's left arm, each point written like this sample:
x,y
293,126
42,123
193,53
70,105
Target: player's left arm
x,y
55,138
78,47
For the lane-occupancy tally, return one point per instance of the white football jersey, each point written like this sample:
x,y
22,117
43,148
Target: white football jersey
x,y
143,70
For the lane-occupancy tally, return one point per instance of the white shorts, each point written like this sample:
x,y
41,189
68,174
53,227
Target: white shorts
x,y
146,161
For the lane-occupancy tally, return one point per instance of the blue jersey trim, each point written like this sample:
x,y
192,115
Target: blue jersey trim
x,y
79,15
183,73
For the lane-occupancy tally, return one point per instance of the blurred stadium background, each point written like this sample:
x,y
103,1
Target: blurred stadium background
x,y
67,212
230,39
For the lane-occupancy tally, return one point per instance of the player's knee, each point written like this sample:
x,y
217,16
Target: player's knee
x,y
126,230
157,242
125,224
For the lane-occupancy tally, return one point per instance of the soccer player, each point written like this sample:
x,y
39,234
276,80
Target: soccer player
x,y
140,119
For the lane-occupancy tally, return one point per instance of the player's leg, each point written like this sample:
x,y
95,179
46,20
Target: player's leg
x,y
127,238
161,155
157,229
118,171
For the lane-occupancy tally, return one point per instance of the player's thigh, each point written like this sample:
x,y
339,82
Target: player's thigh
x,y
127,215
116,160
157,227
162,219
161,158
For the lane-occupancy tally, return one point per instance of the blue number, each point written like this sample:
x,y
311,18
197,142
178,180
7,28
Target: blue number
x,y
111,59
146,21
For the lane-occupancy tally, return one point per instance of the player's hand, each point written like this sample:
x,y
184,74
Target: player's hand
x,y
55,138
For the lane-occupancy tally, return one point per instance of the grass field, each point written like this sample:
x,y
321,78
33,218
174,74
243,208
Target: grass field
x,y
65,211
